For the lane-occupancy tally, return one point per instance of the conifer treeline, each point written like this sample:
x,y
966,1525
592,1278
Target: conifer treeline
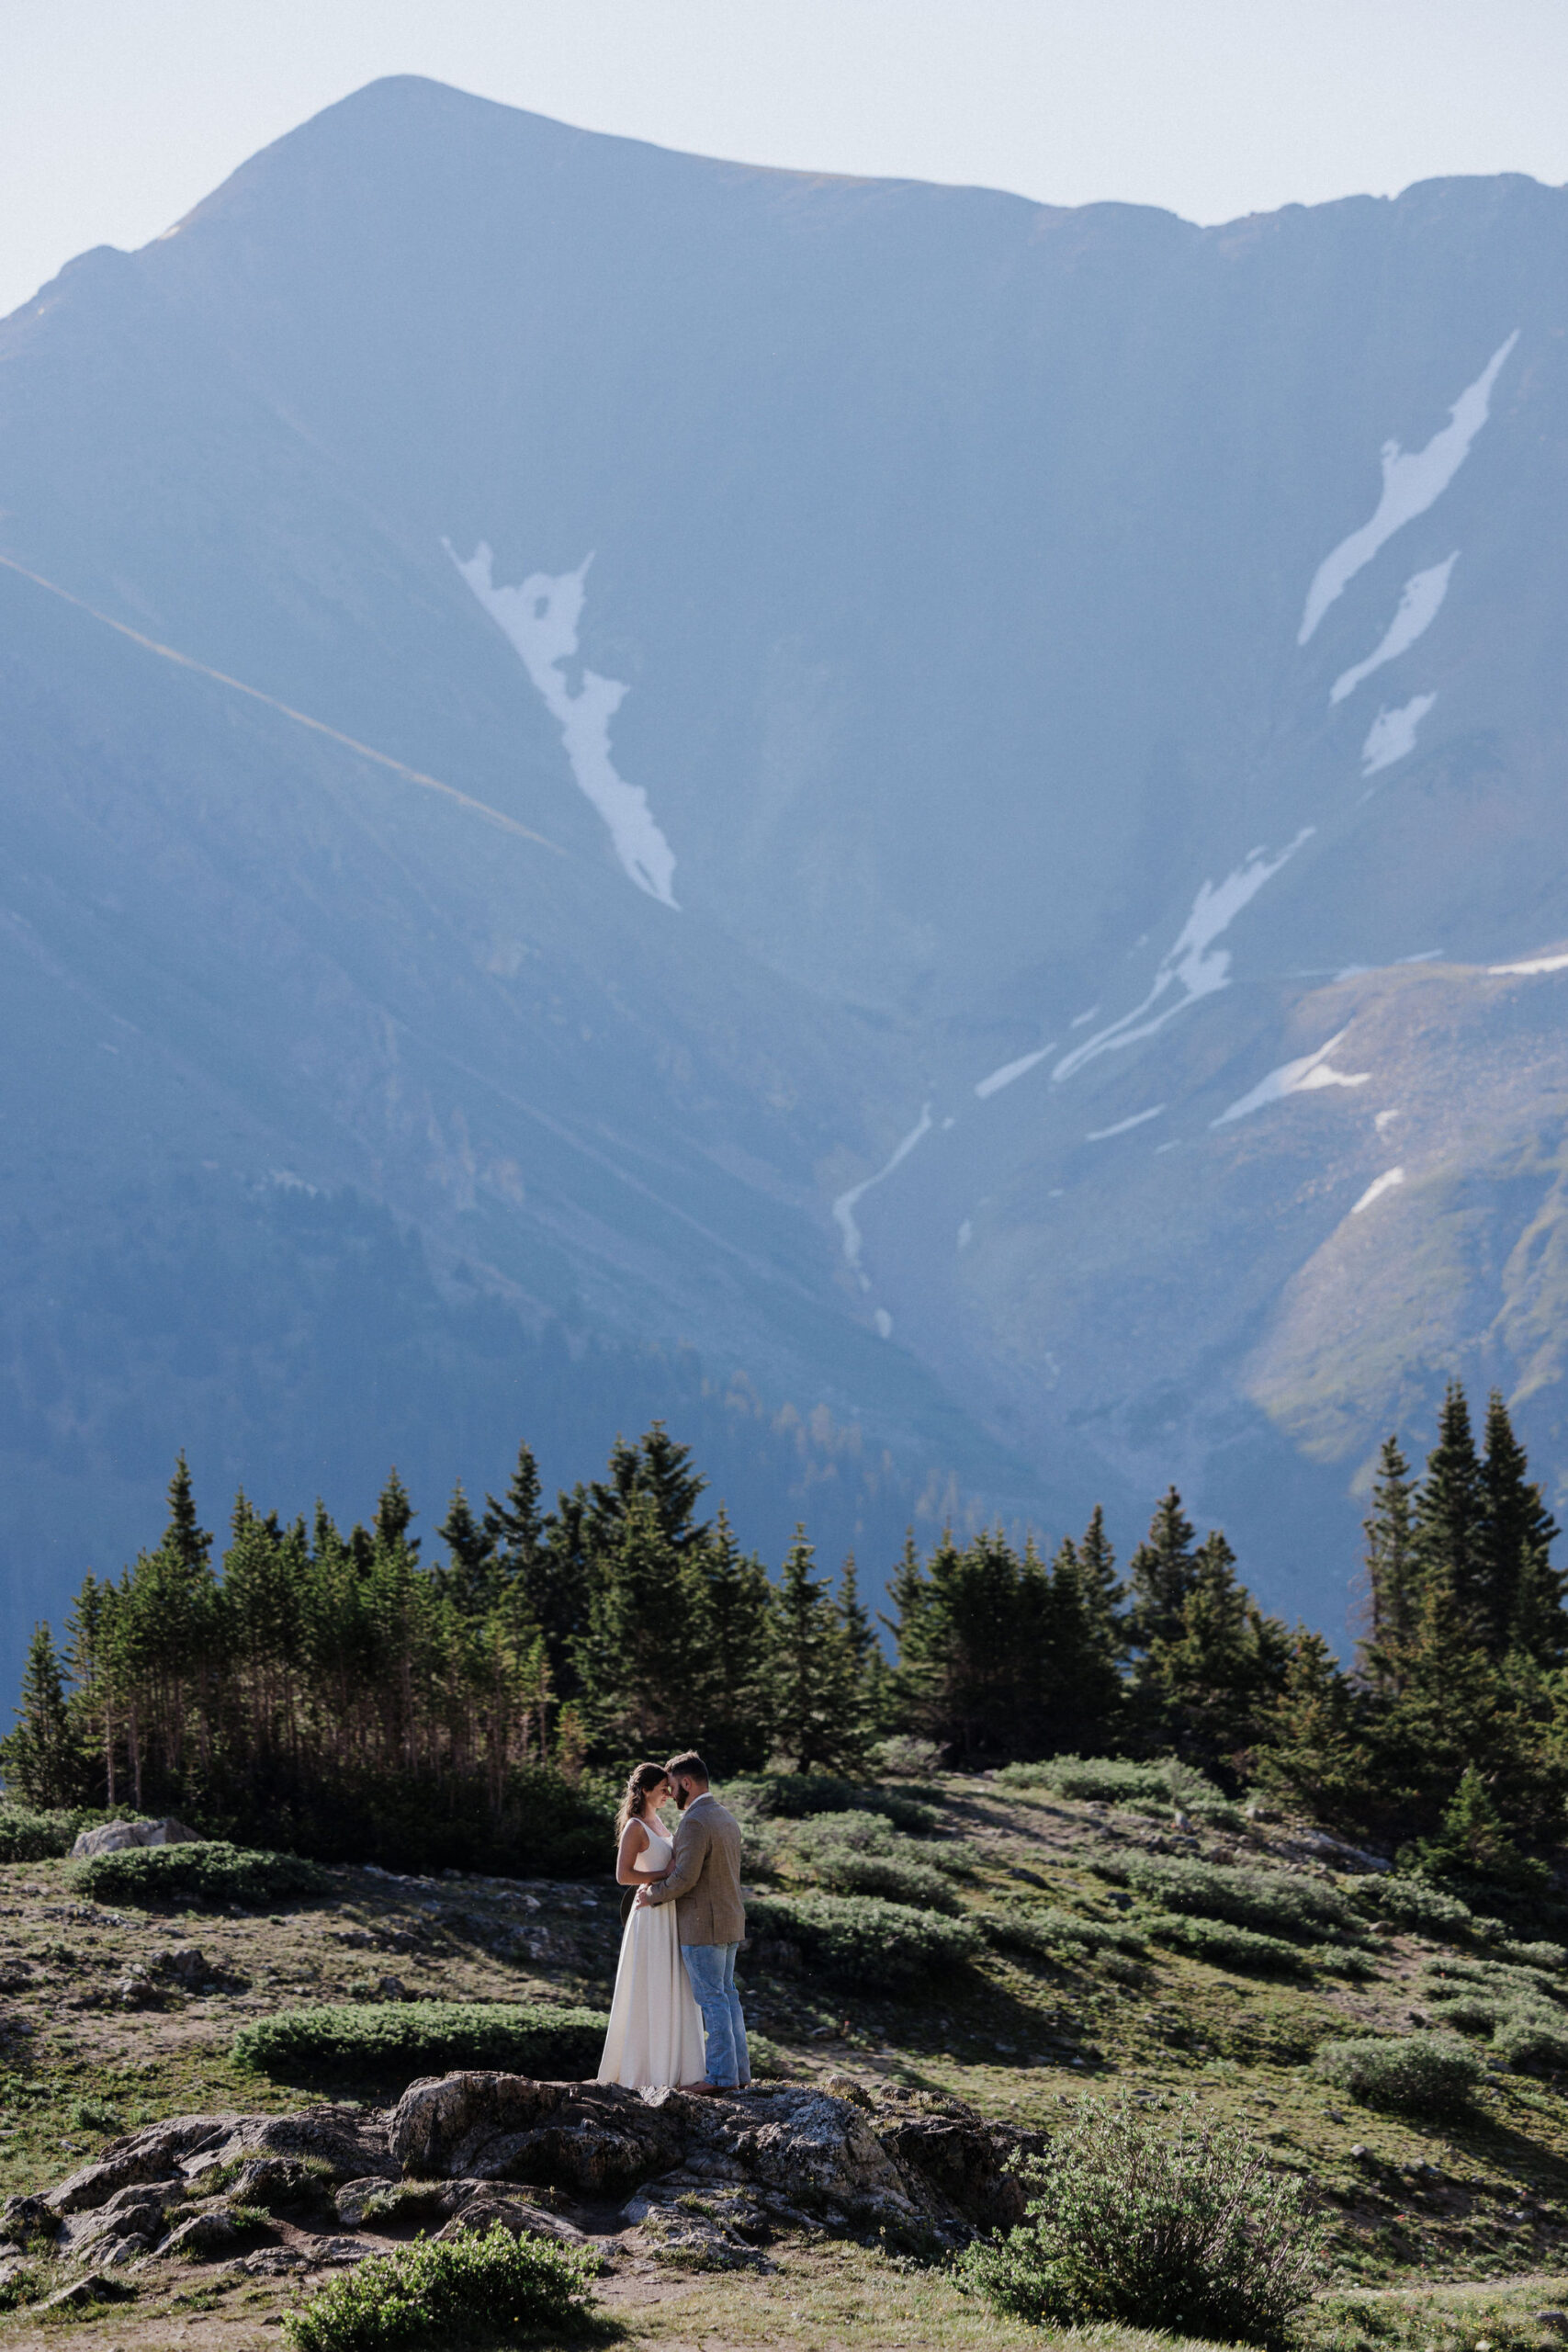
x,y
337,1686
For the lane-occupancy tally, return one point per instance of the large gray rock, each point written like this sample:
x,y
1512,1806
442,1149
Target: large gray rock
x,y
900,2162
117,1837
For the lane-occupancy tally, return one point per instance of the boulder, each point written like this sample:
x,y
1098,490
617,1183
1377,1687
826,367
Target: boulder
x,y
93,2286
155,2154
202,2237
909,2166
115,1836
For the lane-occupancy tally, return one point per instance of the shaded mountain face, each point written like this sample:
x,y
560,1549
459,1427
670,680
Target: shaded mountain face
x,y
883,810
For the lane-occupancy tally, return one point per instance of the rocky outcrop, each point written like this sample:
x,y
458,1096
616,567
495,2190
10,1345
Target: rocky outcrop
x,y
115,1836
700,2182
890,2161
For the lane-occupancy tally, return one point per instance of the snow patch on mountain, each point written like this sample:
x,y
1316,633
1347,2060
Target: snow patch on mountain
x,y
1303,1077
1413,480
1418,608
845,1205
1123,1126
1378,1187
1010,1071
540,620
1194,964
1528,971
1392,735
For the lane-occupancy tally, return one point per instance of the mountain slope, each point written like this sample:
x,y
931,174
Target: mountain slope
x,y
894,704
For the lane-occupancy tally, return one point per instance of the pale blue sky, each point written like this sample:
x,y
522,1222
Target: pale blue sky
x,y
116,116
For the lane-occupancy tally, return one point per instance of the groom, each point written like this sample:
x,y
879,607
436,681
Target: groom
x,y
710,1920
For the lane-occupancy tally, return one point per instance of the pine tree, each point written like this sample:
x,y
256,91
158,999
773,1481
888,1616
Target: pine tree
x,y
1392,1579
473,1575
1103,1594
394,1516
728,1594
817,1716
635,1662
1450,1509
1082,1690
1163,1570
1515,1539
1472,1849
185,1539
515,1528
655,1467
38,1759
1314,1751
1207,1688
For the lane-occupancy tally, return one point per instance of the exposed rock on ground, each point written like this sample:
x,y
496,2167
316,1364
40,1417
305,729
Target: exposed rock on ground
x,y
707,2182
117,1837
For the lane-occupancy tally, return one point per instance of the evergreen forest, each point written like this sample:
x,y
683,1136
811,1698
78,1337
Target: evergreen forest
x,y
363,1694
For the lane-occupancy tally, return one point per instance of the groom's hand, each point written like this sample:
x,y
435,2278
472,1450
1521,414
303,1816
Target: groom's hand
x,y
644,1898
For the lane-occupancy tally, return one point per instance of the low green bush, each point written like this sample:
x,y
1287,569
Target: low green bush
x,y
792,1796
1552,1958
493,2286
1224,1945
1465,2012
860,1939
28,1834
1051,1933
1532,2040
1162,1785
917,1759
23,2285
1277,1903
1162,2222
1420,2074
207,1869
410,2038
1417,1904
861,1853
94,2115
889,1875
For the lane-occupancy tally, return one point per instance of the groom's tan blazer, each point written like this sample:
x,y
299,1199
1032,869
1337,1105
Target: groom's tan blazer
x,y
705,1876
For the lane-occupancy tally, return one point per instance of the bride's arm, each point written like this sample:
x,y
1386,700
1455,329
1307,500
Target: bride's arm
x,y
634,1838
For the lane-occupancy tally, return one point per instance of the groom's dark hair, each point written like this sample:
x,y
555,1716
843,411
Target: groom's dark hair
x,y
689,1767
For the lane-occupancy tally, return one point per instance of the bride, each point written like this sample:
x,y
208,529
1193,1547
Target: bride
x,y
655,2034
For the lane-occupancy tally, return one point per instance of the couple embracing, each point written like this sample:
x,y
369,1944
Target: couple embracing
x,y
675,2018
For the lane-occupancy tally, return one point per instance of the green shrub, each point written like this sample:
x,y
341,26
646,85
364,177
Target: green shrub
x,y
1465,2012
29,1835
1532,2040
846,1872
1551,1957
1223,1945
917,1758
1168,2223
207,1869
1274,1902
862,1853
21,2288
1051,1934
493,2286
410,2038
792,1796
859,1939
1165,1785
1422,2074
94,2115
1415,1903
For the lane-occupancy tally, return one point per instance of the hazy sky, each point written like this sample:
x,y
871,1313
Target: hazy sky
x,y
116,116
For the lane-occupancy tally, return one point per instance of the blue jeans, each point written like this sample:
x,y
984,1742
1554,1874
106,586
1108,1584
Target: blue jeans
x,y
711,1968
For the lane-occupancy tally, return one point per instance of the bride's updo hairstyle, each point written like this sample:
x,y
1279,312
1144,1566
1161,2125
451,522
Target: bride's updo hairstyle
x,y
645,1779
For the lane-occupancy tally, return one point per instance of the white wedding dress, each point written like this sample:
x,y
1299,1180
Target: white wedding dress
x,y
655,2035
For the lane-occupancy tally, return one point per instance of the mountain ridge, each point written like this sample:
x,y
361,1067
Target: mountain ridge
x,y
925,571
